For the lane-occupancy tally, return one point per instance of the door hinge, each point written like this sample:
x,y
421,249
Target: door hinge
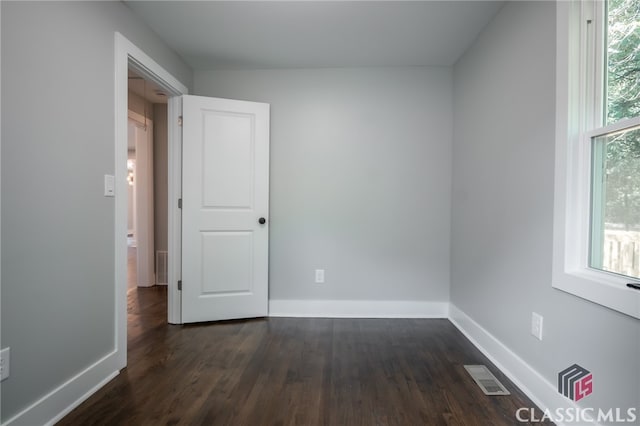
x,y
180,120
180,285
179,203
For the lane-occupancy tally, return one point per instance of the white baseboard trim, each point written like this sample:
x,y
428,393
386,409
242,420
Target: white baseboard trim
x,y
47,410
357,309
525,377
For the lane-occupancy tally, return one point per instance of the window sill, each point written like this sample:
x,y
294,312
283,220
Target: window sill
x,y
603,288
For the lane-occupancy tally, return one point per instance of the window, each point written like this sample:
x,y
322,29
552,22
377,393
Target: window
x,y
615,152
597,193
615,203
622,60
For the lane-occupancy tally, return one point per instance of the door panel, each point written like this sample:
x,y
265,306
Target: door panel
x,y
225,192
230,262
228,175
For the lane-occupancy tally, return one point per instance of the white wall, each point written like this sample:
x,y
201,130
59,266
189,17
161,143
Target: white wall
x,y
360,179
58,292
503,167
140,105
131,155
158,114
160,176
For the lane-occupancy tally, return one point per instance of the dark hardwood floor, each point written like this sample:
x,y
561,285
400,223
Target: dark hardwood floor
x,y
294,371
132,272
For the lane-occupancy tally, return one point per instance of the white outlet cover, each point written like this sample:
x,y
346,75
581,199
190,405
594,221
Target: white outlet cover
x,y
319,276
536,325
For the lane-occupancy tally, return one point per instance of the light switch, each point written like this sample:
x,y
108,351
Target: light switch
x,y
109,186
536,325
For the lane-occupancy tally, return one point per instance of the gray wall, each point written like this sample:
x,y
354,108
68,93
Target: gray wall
x,y
503,168
57,228
360,185
360,178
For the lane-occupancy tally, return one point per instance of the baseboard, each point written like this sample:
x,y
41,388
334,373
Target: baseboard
x,y
525,377
47,410
357,309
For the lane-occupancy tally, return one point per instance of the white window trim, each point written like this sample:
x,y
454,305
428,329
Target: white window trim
x,y
574,125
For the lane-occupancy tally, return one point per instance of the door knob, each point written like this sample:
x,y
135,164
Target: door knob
x,y
262,221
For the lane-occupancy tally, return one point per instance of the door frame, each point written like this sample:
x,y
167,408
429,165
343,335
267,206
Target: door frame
x,y
128,55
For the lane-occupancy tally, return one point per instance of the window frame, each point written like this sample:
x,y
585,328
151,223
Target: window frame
x,y
580,91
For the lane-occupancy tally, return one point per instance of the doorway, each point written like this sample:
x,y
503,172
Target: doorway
x,y
130,57
237,137
147,183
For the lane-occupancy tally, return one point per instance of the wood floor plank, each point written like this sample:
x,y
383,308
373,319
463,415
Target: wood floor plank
x,y
294,371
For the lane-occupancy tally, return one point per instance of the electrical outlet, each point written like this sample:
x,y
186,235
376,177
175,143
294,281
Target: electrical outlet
x,y
536,325
5,356
319,276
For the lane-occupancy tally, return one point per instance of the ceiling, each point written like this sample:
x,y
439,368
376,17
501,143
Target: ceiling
x,y
316,34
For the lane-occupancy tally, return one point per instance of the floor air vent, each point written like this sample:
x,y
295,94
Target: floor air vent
x,y
487,381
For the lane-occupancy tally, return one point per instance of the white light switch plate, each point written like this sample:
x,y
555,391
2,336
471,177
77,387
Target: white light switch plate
x,y
109,186
536,325
5,357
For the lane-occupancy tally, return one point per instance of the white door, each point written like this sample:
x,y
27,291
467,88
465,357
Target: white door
x,y
225,205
